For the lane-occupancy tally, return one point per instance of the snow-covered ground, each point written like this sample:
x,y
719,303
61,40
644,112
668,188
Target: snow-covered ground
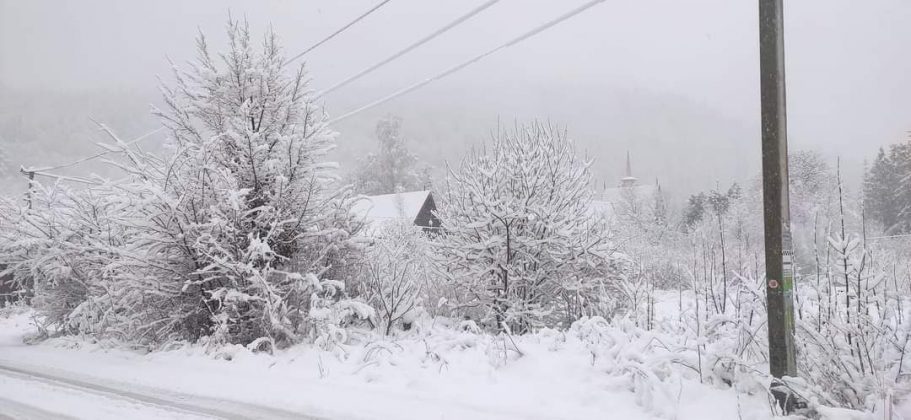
x,y
436,373
449,376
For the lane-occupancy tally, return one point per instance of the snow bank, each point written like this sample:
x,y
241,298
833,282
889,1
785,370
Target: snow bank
x,y
436,372
595,370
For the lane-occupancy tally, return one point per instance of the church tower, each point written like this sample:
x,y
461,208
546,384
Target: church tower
x,y
628,179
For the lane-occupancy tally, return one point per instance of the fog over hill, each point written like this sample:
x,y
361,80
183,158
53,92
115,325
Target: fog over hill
x,y
678,89
524,209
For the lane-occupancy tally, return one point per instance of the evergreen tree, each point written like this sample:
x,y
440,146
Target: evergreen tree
x,y
886,189
716,202
660,210
695,210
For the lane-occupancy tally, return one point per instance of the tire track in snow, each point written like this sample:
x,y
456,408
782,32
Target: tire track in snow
x,y
12,410
188,405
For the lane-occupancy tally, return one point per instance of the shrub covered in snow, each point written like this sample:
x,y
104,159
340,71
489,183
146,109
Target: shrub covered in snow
x,y
850,300
520,240
397,277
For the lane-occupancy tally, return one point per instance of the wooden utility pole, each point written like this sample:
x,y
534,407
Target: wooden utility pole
x,y
31,186
778,251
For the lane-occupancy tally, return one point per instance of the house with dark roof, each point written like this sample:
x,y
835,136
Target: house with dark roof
x,y
416,207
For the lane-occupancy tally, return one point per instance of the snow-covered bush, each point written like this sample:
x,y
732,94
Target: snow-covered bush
x,y
850,311
520,240
396,278
61,248
853,325
854,329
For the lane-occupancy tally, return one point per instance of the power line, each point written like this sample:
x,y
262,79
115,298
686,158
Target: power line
x,y
65,178
469,62
32,171
88,158
410,48
340,30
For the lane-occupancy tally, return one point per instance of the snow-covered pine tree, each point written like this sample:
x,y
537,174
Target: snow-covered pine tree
x,y
520,240
660,206
901,156
695,210
880,200
393,168
886,194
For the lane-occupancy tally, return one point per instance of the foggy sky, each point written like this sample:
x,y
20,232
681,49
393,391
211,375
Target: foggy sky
x,y
674,82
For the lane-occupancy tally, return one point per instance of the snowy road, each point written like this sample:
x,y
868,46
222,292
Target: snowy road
x,y
30,394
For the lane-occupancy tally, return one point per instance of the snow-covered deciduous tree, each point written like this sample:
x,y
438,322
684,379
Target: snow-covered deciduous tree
x,y
257,203
242,233
520,239
393,168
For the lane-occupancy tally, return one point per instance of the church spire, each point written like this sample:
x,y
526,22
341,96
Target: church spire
x,y
628,179
629,169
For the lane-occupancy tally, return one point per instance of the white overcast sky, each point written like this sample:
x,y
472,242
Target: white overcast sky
x,y
848,62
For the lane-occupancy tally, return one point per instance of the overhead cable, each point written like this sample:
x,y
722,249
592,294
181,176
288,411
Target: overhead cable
x,y
469,62
411,47
340,30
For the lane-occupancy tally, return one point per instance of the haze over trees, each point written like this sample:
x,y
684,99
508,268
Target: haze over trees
x,y
240,236
393,168
6,167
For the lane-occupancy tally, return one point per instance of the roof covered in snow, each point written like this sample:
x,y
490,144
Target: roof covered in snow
x,y
398,206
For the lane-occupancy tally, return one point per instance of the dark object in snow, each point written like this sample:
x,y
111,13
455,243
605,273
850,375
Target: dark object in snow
x,y
788,400
417,207
9,289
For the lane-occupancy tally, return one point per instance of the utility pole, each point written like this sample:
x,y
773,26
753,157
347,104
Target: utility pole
x,y
778,251
31,186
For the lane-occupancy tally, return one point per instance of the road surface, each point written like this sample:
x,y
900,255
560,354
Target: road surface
x,y
27,393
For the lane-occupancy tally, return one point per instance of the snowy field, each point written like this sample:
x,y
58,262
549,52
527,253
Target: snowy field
x,y
433,373
235,270
430,374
